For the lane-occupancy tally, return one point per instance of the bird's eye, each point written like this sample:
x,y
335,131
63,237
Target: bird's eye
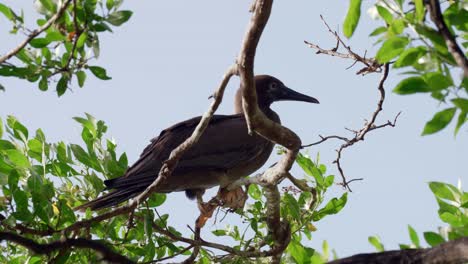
x,y
273,85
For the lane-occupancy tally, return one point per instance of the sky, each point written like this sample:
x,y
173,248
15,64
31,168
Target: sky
x,y
170,57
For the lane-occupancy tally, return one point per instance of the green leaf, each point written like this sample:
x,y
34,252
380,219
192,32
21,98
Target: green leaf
x,y
109,4
352,18
1,127
62,85
99,72
375,241
43,84
48,5
81,76
433,239
6,11
4,144
397,27
385,14
119,17
461,103
439,121
444,191
410,56
420,10
55,36
255,192
39,42
437,81
17,158
462,118
391,49
19,130
219,232
81,40
81,155
156,199
332,207
292,206
21,201
413,236
300,253
412,85
378,31
464,83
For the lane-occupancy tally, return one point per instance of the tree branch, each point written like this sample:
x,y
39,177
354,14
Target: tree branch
x,y
436,15
36,32
452,252
45,249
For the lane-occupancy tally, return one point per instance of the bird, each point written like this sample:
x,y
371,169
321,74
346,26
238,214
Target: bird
x,y
225,152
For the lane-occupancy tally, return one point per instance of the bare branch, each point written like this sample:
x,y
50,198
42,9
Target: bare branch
x,y
436,15
371,65
36,32
452,252
44,249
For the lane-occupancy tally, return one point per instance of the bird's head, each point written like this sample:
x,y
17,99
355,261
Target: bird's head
x,y
270,90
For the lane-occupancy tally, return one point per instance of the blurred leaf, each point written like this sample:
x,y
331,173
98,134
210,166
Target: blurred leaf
x,y
43,84
412,85
439,121
156,199
444,191
1,127
19,130
17,158
413,236
21,200
81,40
437,80
420,10
385,14
410,56
378,31
300,253
81,76
6,11
332,207
391,49
99,72
352,17
255,192
39,42
462,118
433,239
292,206
119,17
461,103
81,155
219,232
62,85
451,219
375,241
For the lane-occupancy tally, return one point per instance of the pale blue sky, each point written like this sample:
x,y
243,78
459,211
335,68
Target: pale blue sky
x,y
171,55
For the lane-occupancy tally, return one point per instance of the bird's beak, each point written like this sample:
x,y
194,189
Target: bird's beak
x,y
291,95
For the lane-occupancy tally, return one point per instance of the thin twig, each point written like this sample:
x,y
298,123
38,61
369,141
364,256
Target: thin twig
x,y
36,32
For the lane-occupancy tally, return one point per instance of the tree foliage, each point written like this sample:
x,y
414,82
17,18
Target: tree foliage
x,y
43,181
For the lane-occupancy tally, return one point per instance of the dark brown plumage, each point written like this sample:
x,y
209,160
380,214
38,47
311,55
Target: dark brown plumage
x,y
224,153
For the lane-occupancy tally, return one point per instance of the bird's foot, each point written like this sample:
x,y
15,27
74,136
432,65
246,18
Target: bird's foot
x,y
234,199
206,210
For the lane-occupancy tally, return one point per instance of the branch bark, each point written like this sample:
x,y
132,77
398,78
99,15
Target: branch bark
x,y
436,15
452,252
45,249
36,32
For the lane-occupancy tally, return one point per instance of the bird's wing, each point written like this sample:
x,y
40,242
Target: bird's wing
x,y
224,144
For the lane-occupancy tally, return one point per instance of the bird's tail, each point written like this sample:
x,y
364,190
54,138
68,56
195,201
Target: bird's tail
x,y
111,199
